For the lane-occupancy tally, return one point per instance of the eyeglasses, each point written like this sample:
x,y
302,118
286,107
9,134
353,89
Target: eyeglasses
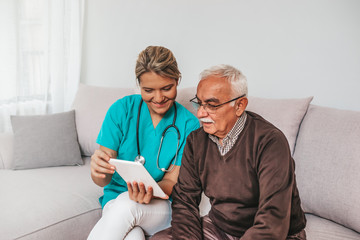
x,y
210,108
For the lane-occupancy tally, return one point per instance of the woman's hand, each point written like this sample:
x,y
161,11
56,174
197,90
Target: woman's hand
x,y
101,170
138,193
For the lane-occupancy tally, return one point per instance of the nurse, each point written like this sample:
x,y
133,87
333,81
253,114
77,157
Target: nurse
x,y
129,210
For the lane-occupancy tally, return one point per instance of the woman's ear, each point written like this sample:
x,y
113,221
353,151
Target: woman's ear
x,y
241,106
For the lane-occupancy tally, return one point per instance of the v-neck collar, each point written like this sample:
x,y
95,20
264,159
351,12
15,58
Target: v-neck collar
x,y
164,120
227,155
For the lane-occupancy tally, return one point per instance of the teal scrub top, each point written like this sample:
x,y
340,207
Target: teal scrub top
x,y
118,132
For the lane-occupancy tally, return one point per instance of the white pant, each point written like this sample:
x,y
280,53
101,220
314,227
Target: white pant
x,y
123,217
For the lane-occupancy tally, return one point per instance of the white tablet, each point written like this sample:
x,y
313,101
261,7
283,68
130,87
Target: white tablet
x,y
133,171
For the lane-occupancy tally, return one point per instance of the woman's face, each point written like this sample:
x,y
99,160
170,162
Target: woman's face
x,y
158,92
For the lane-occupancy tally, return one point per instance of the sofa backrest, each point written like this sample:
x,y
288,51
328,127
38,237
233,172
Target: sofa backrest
x,y
327,157
285,114
91,104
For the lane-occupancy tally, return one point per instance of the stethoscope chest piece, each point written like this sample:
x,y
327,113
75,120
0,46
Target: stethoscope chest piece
x,y
140,159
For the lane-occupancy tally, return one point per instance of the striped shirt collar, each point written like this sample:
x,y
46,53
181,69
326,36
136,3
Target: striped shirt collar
x,y
230,138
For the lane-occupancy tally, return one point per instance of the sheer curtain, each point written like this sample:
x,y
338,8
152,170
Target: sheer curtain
x,y
40,56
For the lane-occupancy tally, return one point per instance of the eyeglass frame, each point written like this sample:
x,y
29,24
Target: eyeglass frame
x,y
213,106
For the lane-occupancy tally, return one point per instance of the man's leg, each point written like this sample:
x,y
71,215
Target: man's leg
x,y
212,232
298,236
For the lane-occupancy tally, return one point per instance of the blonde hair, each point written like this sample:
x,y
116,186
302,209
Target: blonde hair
x,y
159,60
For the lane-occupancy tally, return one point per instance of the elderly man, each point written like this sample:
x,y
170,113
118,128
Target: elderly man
x,y
242,163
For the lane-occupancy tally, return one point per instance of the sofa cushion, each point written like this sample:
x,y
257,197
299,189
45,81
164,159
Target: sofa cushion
x,y
327,158
318,228
285,114
45,201
91,104
76,227
45,141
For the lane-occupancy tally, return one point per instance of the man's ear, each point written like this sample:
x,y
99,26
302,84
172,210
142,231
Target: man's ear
x,y
241,106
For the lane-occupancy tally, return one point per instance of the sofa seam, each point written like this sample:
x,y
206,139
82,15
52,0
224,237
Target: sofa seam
x,y
38,230
330,220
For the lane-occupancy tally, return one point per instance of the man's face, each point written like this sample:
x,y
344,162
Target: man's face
x,y
215,90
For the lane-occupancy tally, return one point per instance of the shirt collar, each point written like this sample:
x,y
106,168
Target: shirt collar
x,y
234,133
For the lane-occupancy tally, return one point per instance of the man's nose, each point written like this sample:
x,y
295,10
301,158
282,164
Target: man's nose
x,y
201,112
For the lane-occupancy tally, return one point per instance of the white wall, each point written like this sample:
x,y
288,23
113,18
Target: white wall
x,y
287,49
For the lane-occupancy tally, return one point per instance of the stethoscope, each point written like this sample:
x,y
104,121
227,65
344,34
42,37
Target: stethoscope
x,y
141,159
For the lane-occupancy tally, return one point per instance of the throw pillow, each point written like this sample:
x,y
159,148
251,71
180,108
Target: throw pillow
x,y
285,114
45,141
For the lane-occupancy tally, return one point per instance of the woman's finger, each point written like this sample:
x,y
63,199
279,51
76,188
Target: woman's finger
x,y
135,189
130,190
142,192
97,174
98,171
101,154
103,170
149,195
101,158
103,163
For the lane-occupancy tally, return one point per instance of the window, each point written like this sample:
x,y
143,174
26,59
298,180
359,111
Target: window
x,y
36,38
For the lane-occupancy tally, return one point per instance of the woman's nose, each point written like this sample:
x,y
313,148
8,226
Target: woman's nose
x,y
158,97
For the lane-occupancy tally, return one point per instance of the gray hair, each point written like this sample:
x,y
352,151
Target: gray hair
x,y
234,76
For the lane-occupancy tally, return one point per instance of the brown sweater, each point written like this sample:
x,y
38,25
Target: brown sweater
x,y
252,188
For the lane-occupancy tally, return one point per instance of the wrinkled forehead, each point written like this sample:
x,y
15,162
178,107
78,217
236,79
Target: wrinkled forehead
x,y
214,87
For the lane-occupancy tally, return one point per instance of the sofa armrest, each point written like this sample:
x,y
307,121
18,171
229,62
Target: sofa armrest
x,y
6,150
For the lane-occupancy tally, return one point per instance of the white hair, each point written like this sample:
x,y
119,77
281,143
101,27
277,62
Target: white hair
x,y
234,76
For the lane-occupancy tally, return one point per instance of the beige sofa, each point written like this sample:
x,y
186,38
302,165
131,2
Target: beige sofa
x,y
62,202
